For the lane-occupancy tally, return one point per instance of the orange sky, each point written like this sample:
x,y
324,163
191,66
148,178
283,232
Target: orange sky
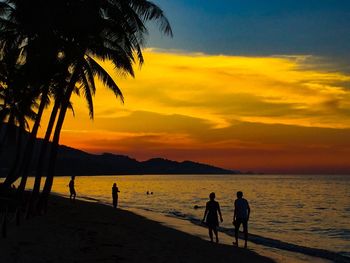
x,y
266,114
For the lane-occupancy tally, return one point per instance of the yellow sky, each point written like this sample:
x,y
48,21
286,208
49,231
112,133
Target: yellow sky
x,y
268,114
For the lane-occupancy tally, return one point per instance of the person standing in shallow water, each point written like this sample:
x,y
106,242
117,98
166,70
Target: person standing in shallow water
x,y
212,210
241,216
115,192
73,194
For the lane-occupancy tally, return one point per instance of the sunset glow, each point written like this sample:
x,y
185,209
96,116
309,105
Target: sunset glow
x,y
265,114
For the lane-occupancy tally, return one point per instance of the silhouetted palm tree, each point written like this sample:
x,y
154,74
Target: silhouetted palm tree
x,y
17,100
38,53
68,35
117,34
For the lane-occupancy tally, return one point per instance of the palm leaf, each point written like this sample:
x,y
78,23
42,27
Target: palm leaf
x,y
151,12
106,79
85,87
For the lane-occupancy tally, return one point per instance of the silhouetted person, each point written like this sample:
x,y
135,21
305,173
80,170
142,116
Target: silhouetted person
x,y
73,194
115,192
212,210
241,216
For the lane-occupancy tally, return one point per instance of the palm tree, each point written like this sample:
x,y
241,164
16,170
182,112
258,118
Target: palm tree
x,y
74,33
17,110
57,94
117,34
37,94
36,73
17,99
22,29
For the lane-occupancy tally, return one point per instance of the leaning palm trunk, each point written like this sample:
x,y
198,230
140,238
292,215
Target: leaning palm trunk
x,y
40,164
27,157
53,155
3,137
8,182
42,205
43,150
18,152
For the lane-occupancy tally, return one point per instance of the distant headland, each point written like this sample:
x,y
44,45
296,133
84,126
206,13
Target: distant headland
x,y
72,161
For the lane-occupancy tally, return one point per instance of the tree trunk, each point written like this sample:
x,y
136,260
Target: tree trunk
x,y
40,164
4,128
53,155
8,181
27,158
18,152
42,205
43,150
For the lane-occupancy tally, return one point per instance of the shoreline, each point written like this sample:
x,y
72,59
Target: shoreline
x,y
94,232
277,255
277,250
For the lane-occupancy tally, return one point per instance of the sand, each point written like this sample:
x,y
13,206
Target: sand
x,y
93,232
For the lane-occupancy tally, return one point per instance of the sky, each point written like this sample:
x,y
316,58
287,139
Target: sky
x,y
248,85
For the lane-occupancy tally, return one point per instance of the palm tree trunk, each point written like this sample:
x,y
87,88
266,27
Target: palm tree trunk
x,y
43,150
27,158
3,128
42,205
18,152
40,164
8,181
53,155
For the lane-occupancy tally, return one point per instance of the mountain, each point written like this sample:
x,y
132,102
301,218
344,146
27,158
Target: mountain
x,y
82,163
71,161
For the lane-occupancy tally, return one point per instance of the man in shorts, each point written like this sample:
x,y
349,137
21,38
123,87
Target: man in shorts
x,y
241,216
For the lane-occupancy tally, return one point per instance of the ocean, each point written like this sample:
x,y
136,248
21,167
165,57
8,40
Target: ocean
x,y
307,214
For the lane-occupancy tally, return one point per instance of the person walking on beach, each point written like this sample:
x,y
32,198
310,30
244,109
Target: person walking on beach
x,y
115,192
212,210
241,216
73,194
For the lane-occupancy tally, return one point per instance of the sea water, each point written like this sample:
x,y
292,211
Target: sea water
x,y
304,213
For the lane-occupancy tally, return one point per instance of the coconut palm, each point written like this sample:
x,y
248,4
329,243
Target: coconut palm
x,y
117,35
57,94
75,33
17,99
30,32
17,112
37,54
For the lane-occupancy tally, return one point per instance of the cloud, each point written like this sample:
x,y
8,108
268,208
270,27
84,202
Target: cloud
x,y
217,108
221,88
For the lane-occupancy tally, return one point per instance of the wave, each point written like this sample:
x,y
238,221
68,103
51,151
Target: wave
x,y
270,242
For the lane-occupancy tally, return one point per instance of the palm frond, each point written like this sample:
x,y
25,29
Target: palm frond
x,y
151,12
106,79
121,59
70,107
86,90
89,76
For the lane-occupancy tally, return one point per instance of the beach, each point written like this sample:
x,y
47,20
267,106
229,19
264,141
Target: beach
x,y
93,232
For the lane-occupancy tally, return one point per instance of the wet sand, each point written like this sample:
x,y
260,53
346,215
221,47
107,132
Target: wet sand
x,y
278,255
93,232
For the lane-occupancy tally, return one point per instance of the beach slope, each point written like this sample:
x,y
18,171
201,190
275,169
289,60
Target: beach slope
x,y
91,232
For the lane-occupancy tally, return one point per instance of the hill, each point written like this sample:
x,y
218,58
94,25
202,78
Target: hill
x,y
72,161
